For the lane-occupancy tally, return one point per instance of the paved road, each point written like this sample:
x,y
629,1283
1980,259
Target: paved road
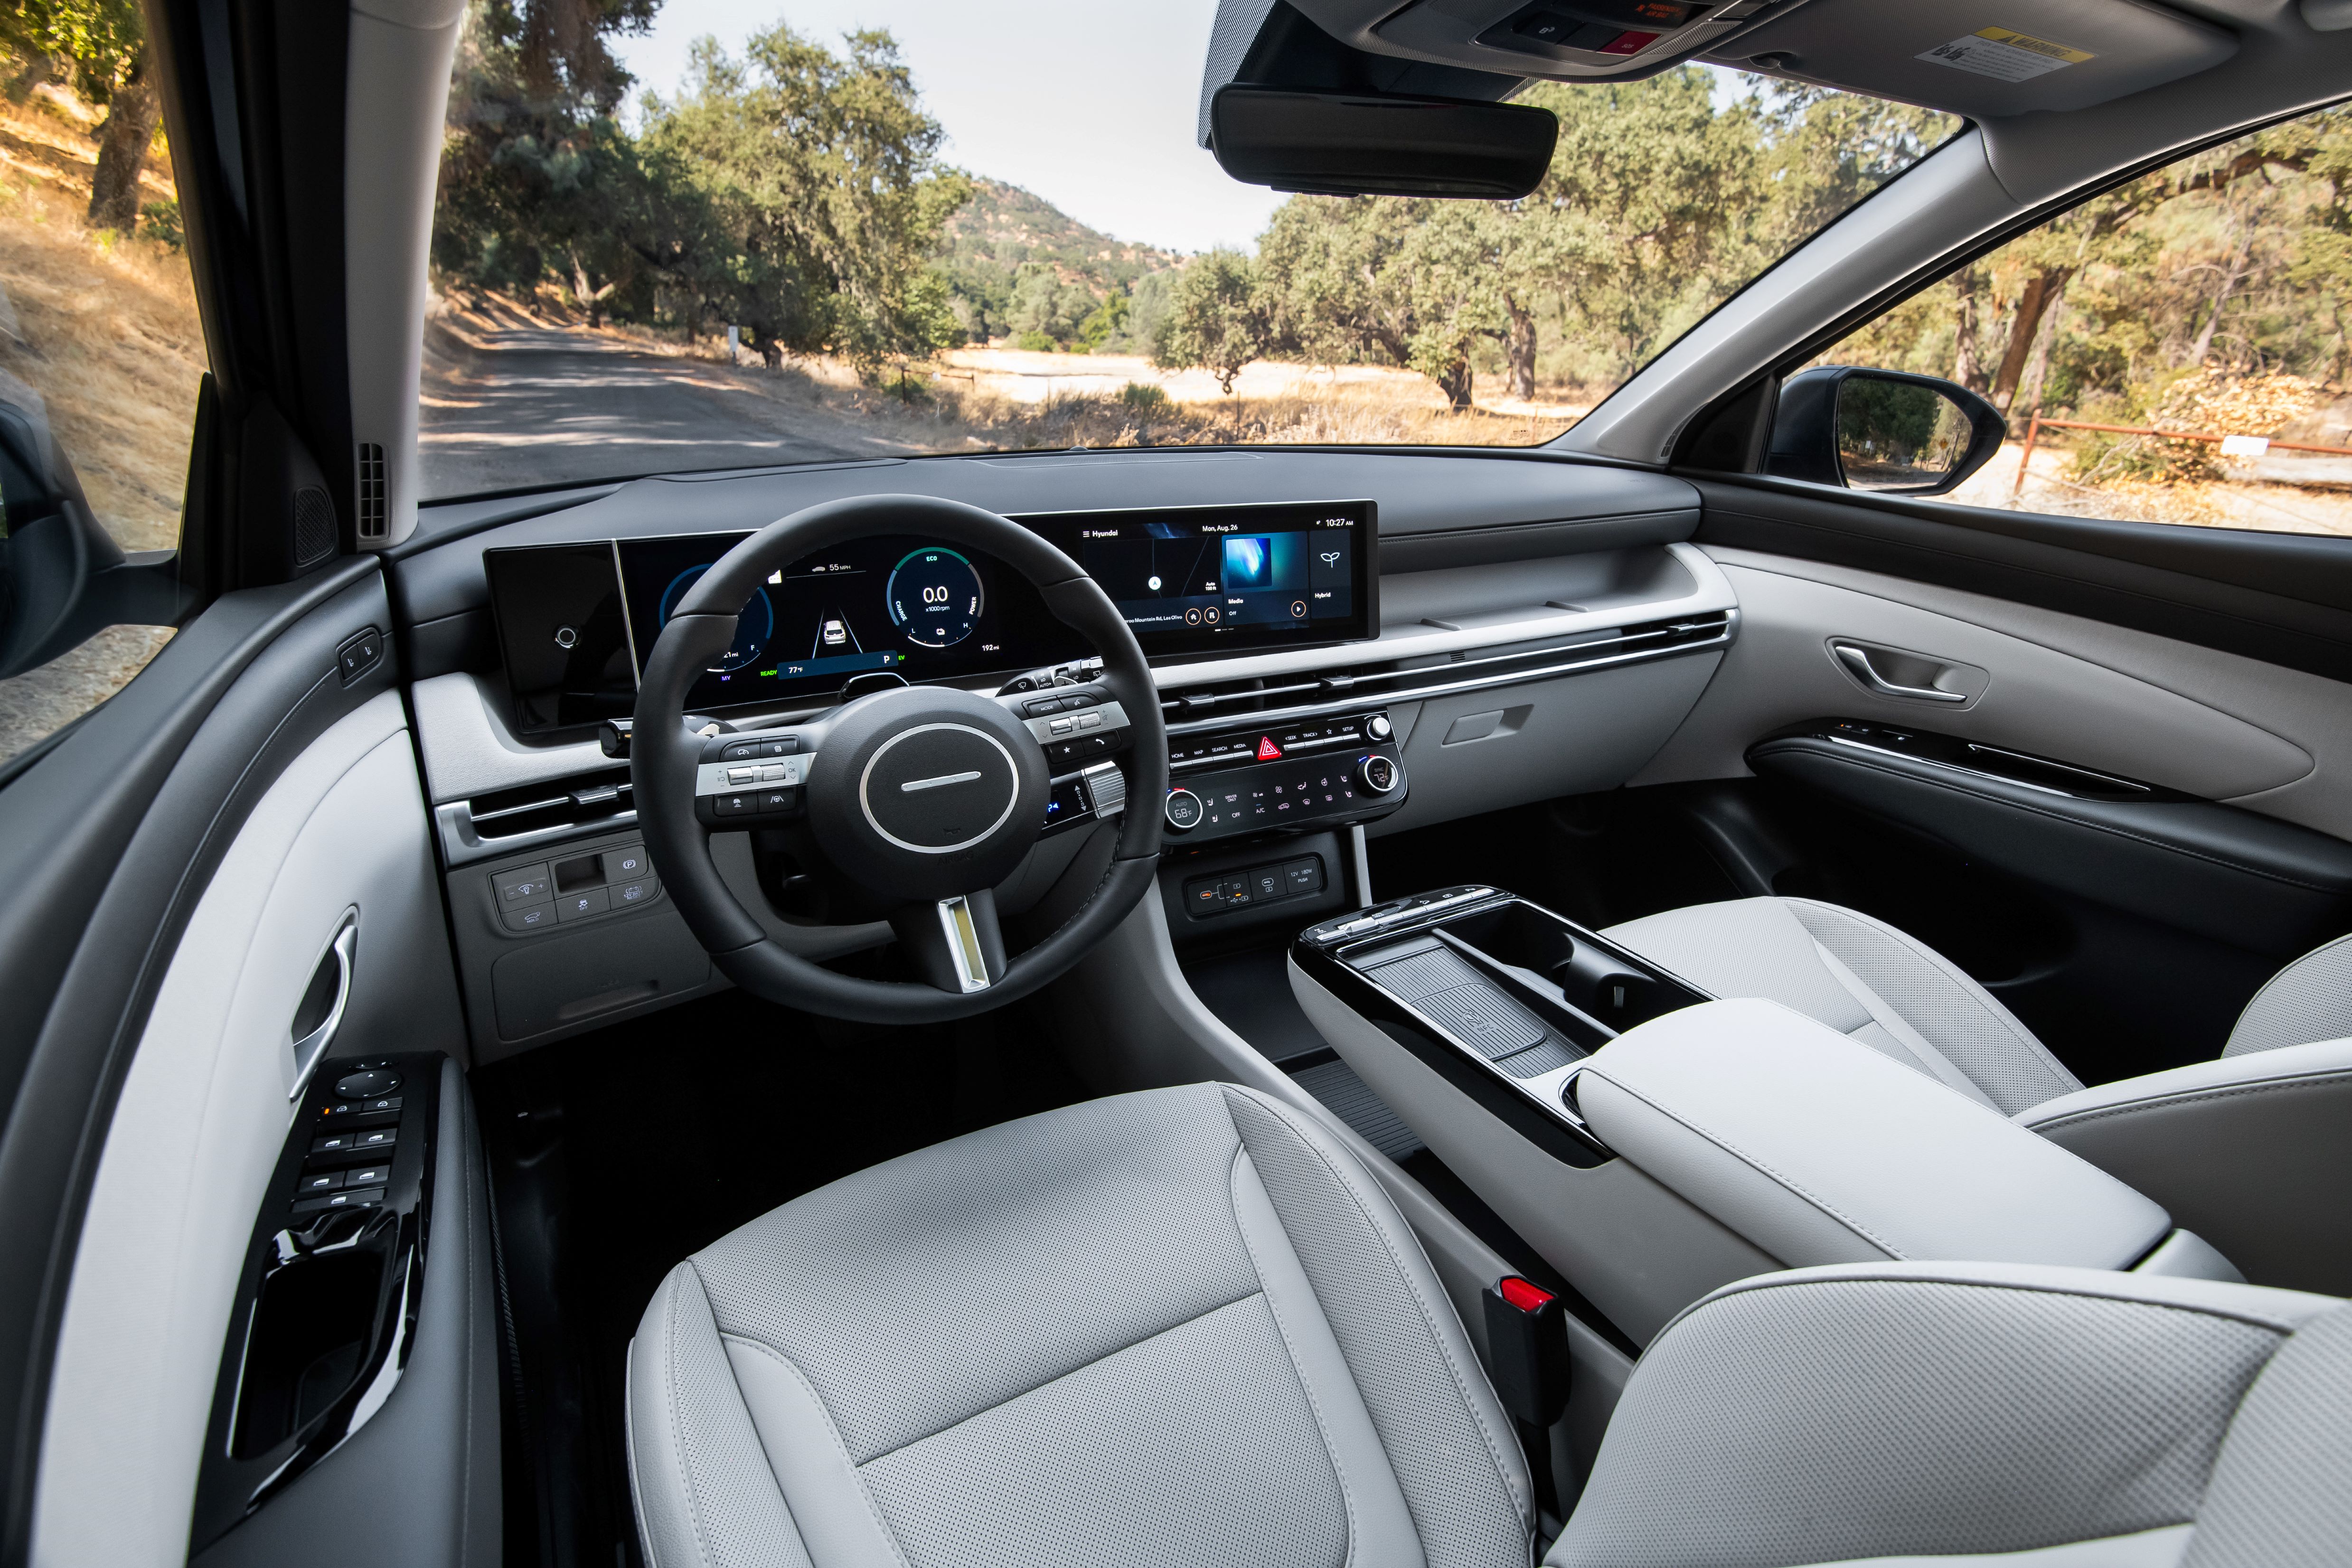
x,y
521,406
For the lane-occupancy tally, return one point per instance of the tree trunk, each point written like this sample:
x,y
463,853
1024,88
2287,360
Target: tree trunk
x,y
2037,364
123,145
1455,384
1519,346
1965,369
2040,292
2230,281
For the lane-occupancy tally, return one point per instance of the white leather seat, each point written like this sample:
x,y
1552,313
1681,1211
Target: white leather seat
x,y
2251,1151
1186,1328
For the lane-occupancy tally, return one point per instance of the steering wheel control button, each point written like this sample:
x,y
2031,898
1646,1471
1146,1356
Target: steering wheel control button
x,y
1379,773
725,806
1089,721
361,1085
777,801
524,884
1184,810
1061,726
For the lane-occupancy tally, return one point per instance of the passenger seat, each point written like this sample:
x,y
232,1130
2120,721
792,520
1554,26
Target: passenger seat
x,y
2251,1151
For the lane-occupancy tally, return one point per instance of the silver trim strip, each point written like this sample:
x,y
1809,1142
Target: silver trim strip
x,y
964,943
912,784
1448,688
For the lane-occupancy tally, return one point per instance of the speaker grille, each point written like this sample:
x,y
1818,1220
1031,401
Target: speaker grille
x,y
314,526
370,471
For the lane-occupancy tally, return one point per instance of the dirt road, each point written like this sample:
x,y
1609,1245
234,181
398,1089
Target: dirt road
x,y
509,403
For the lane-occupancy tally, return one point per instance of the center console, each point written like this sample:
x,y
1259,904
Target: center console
x,y
1652,1143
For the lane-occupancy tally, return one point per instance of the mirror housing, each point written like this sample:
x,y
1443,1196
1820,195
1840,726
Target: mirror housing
x,y
1886,431
62,576
1360,145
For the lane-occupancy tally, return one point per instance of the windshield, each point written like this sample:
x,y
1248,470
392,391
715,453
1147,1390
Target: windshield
x,y
682,234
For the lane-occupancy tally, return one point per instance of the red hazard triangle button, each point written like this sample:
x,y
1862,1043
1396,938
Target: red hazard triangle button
x,y
1267,750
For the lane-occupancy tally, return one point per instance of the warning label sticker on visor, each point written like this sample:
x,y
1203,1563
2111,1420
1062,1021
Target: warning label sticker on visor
x,y
2006,53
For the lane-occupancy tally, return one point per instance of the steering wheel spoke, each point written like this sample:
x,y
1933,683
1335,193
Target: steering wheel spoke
x,y
955,943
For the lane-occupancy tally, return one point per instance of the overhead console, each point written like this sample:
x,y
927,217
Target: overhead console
x,y
576,622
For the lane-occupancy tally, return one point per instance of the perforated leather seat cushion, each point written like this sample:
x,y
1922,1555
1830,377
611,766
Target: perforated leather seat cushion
x,y
1179,1327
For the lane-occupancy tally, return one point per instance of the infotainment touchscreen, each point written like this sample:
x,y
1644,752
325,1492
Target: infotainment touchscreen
x,y
1190,581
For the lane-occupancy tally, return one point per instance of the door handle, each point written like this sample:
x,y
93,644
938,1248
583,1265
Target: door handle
x,y
311,1047
1856,658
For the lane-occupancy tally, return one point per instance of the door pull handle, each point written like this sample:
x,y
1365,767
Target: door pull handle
x,y
310,1047
1857,658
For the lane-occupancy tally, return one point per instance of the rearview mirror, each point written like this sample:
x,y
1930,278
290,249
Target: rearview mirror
x,y
62,577
1355,144
1882,431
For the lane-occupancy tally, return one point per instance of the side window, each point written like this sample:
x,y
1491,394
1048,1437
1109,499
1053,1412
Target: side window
x,y
2174,350
100,349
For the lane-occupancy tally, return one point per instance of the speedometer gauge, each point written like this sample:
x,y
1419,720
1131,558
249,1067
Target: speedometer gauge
x,y
935,597
753,627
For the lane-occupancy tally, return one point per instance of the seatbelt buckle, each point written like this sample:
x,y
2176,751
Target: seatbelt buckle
x,y
1526,1350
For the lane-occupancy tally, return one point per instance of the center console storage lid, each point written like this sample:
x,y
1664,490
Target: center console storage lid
x,y
1818,1149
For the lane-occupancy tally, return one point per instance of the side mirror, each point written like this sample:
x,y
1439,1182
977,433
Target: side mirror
x,y
1882,431
1358,144
62,576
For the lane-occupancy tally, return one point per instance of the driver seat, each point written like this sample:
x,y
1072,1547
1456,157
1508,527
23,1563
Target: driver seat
x,y
1186,1328
1183,1326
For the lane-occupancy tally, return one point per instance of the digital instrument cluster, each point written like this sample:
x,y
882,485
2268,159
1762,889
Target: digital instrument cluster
x,y
577,622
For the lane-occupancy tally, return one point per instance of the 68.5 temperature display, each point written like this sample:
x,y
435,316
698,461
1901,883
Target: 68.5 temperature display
x,y
935,597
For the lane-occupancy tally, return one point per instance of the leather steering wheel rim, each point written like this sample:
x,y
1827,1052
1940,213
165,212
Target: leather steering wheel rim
x,y
663,757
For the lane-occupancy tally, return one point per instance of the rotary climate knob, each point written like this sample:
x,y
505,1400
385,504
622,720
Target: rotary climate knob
x,y
1378,774
1184,810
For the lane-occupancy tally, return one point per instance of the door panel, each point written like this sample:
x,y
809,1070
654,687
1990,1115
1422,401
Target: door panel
x,y
1782,670
108,839
206,1105
2208,723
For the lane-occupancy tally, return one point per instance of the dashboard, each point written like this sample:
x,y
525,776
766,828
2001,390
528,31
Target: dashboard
x,y
576,622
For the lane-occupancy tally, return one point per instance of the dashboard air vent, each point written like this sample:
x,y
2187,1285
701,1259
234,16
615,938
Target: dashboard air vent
x,y
1401,680
582,800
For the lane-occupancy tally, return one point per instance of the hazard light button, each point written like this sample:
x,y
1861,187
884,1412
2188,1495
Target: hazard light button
x,y
1267,750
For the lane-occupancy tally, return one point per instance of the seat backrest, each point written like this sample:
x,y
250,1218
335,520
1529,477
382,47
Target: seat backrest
x,y
2310,1000
1827,1416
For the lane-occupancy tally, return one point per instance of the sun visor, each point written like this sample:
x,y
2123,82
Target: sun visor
x,y
1987,59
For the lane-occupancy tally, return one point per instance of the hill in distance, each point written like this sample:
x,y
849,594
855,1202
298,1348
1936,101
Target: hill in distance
x,y
1018,266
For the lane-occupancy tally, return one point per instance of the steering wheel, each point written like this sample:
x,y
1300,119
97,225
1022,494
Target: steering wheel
x,y
926,798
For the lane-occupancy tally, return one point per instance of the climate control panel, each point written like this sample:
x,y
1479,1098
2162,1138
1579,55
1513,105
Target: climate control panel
x,y
1317,773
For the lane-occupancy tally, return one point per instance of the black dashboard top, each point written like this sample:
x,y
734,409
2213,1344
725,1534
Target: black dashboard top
x,y
1436,509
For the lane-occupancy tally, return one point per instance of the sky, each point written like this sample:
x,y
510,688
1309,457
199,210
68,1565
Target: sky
x,y
1091,107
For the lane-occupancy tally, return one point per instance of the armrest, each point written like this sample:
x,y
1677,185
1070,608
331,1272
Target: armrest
x,y
2250,1152
1894,1410
1818,1149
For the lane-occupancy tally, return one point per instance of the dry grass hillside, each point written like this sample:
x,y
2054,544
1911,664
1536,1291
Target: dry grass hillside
x,y
102,329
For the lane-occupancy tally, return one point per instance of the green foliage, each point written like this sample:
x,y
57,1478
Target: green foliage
x,y
1217,320
160,221
1035,342
791,191
1142,397
96,41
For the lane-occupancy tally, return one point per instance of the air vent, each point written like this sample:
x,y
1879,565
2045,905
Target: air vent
x,y
1432,674
372,491
582,800
314,528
